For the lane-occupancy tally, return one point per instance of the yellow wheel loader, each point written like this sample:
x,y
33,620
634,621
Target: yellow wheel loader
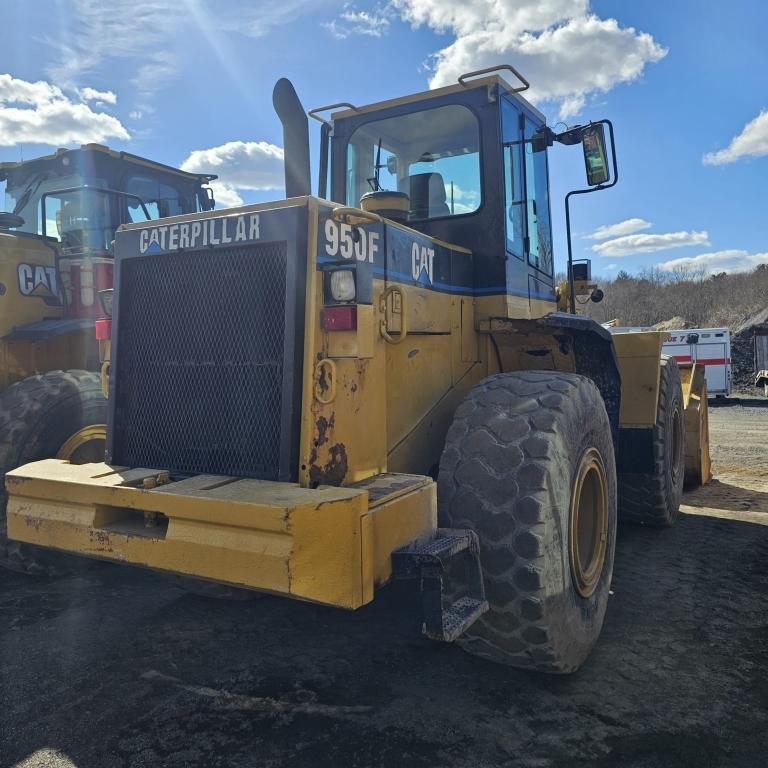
x,y
315,396
56,254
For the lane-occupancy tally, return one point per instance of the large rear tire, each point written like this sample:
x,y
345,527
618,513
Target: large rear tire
x,y
529,465
653,498
61,413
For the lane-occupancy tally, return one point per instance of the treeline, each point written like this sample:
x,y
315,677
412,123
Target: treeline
x,y
653,296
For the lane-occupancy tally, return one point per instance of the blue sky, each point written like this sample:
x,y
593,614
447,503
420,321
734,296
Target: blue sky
x,y
189,82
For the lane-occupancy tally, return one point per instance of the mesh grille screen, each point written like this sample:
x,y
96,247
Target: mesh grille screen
x,y
200,361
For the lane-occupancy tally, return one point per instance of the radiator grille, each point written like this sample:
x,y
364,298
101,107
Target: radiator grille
x,y
199,361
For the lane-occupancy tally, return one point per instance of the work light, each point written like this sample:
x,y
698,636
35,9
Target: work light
x,y
343,285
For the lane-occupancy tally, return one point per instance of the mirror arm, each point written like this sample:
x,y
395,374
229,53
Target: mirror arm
x,y
612,183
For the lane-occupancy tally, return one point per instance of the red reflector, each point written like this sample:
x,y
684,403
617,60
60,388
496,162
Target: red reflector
x,y
103,329
343,318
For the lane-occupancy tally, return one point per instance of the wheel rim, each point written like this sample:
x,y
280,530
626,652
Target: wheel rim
x,y
85,446
588,536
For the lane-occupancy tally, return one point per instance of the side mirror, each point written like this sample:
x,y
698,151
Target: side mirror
x,y
595,158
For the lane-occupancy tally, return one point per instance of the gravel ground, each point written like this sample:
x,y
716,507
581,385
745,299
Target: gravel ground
x,y
117,667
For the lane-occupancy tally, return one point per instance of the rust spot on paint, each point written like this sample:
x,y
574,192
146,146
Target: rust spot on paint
x,y
100,540
323,425
333,471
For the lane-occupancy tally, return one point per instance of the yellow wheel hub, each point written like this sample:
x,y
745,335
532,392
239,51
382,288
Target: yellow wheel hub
x,y
85,446
588,530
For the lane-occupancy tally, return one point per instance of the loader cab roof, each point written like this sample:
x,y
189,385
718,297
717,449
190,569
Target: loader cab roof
x,y
92,159
501,84
120,185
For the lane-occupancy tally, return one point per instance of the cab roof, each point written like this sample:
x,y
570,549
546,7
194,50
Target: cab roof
x,y
480,82
8,168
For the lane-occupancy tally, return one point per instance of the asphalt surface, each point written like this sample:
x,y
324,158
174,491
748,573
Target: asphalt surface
x,y
118,667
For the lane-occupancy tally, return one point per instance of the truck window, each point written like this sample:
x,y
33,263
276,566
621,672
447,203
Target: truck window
x,y
432,155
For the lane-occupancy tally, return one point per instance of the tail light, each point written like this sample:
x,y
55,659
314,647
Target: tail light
x,y
340,318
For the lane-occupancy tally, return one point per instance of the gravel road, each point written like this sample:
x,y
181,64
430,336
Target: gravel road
x,y
118,667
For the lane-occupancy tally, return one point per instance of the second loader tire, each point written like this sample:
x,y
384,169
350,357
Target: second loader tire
x,y
529,466
39,416
653,498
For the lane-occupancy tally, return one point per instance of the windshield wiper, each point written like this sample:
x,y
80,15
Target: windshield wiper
x,y
30,190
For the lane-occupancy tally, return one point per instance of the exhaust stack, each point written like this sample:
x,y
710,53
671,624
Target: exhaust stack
x,y
295,138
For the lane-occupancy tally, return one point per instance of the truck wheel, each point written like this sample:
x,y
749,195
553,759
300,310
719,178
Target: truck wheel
x,y
654,498
58,414
529,466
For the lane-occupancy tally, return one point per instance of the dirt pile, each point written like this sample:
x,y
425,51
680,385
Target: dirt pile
x,y
673,324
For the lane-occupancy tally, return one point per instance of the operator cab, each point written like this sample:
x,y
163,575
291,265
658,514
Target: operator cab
x,y
466,164
79,197
464,159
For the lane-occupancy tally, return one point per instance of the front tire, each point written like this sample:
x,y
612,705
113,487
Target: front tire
x,y
529,465
62,414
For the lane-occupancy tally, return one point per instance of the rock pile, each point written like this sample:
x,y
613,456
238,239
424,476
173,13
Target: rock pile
x,y
742,352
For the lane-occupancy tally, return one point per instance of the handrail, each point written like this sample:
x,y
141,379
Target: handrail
x,y
314,112
487,70
345,212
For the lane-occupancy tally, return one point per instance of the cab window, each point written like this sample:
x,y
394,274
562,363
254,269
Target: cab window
x,y
25,200
514,194
81,220
160,199
537,203
432,155
526,191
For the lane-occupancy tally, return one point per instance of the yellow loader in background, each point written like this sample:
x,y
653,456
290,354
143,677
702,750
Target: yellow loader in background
x,y
56,254
314,396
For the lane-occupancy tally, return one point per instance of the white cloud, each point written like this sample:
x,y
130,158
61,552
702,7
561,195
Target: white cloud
x,y
632,244
136,114
733,260
751,142
91,94
626,227
353,22
40,113
249,165
566,52
259,18
119,29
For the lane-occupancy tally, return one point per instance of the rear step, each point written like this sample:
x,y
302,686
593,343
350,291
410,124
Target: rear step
x,y
432,562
